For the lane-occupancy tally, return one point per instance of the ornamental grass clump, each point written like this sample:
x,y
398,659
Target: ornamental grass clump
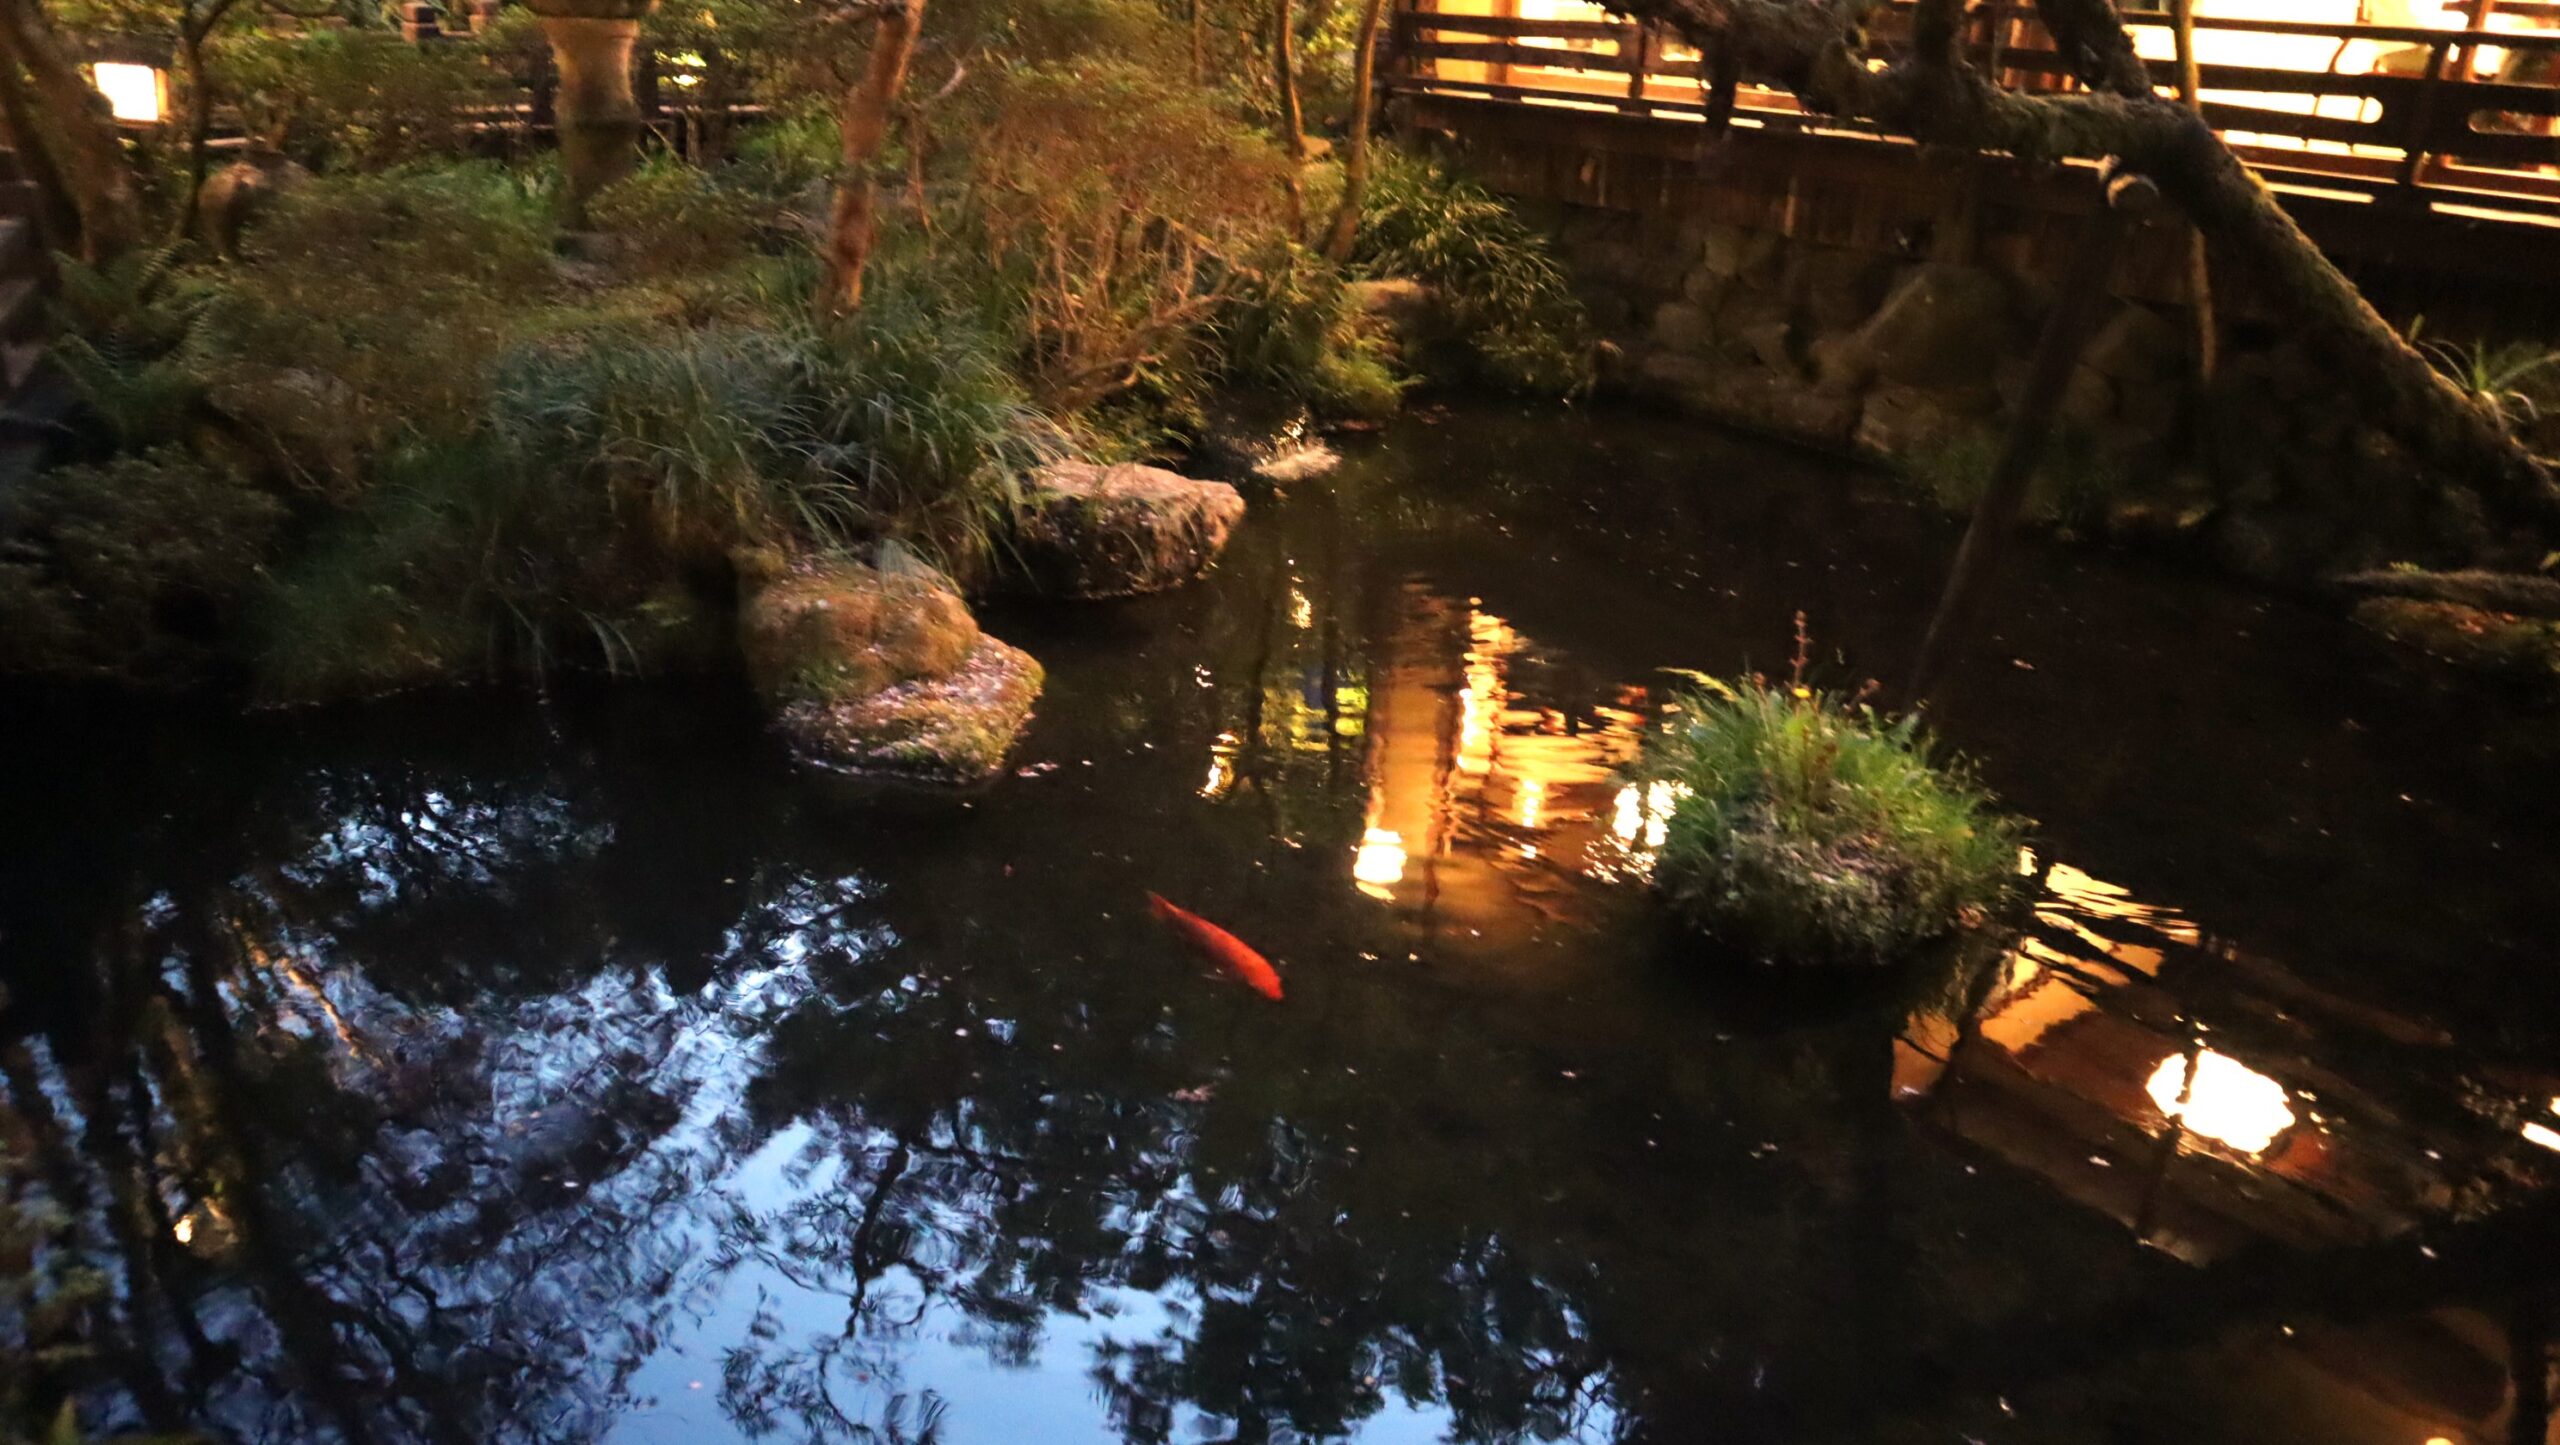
x,y
1808,828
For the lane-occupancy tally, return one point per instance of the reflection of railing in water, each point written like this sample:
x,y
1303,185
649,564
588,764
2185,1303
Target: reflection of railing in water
x,y
2205,1098
2418,128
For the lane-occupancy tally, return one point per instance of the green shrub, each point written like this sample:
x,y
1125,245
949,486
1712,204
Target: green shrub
x,y
1807,828
130,568
583,520
1510,304
395,292
671,218
126,329
364,99
1296,327
1114,201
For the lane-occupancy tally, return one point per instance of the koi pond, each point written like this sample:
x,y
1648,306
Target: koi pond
x,y
499,1068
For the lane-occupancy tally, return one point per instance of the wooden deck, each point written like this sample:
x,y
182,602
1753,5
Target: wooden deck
x,y
2408,140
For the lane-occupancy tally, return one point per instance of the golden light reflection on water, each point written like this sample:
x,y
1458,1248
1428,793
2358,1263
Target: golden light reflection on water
x,y
1491,765
1222,766
1377,865
2226,1101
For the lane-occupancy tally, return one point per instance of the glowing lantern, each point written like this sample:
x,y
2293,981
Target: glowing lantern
x,y
134,92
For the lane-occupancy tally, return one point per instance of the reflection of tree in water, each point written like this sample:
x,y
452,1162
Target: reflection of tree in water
x,y
424,1108
345,1186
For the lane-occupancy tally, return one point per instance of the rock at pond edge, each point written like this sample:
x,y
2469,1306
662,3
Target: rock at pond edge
x,y
955,728
1089,531
875,671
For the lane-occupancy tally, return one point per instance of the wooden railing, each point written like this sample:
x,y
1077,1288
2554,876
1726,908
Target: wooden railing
x,y
2424,132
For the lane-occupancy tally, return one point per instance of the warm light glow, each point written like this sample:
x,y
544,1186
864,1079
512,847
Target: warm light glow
x,y
184,1229
2229,1102
1533,795
133,91
2542,1134
1222,766
1379,862
1302,613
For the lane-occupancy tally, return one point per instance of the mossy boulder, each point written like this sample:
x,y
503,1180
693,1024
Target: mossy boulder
x,y
884,671
1092,531
955,728
829,633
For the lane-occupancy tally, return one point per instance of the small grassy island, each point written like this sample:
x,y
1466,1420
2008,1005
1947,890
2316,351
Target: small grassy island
x,y
1808,828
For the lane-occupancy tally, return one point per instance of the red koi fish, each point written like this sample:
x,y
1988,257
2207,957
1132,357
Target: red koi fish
x,y
1223,948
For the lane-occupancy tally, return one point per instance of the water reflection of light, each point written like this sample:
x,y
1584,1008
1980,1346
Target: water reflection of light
x,y
1222,766
1378,864
1481,694
2228,1101
1533,792
1642,817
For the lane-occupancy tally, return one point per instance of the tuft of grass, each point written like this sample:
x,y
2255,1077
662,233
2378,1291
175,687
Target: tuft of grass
x,y
2511,378
1807,828
586,519
1509,301
1295,326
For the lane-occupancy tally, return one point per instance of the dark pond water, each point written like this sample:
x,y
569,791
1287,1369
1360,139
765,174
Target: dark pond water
x,y
484,1069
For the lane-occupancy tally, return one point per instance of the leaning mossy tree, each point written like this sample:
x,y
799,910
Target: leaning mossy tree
x,y
1810,829
1933,92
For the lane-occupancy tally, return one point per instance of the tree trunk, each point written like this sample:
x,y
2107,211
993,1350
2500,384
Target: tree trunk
x,y
1814,48
1293,125
864,120
75,130
193,29
1355,159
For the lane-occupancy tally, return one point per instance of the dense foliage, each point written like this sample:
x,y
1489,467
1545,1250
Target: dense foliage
x,y
386,424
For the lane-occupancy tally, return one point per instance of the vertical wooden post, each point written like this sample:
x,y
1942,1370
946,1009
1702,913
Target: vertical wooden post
x,y
2199,255
2413,142
1724,88
2066,330
1635,46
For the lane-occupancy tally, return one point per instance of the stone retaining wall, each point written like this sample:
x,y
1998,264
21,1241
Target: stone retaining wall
x,y
1878,299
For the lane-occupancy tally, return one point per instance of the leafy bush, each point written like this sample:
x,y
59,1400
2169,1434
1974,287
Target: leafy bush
x,y
130,568
394,293
1511,306
1806,828
126,327
1113,199
591,517
1295,326
902,423
675,219
367,99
